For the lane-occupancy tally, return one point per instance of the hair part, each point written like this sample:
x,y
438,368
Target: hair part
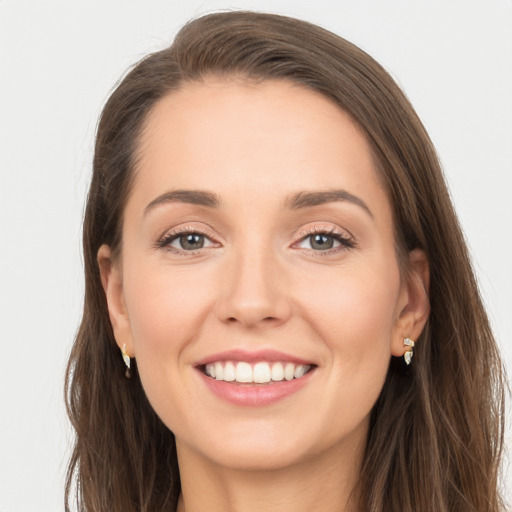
x,y
436,432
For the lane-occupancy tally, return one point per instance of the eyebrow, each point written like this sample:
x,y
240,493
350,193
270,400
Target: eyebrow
x,y
308,199
295,202
199,197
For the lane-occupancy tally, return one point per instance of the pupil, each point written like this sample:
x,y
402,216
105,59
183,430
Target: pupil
x,y
322,242
192,241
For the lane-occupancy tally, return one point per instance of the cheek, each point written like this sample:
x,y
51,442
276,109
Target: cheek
x,y
166,308
356,308
355,317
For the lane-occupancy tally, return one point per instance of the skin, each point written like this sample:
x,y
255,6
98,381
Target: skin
x,y
258,284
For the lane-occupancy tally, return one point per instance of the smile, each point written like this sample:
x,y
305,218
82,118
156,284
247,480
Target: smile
x,y
261,372
254,378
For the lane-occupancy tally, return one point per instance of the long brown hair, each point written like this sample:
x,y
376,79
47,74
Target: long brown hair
x,y
436,432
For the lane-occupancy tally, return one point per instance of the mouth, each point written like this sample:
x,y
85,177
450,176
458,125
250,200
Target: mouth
x,y
258,372
254,378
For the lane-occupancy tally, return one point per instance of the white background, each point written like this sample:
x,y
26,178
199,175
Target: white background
x,y
58,62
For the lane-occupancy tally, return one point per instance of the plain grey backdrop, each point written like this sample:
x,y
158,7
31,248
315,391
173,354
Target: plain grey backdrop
x,y
58,62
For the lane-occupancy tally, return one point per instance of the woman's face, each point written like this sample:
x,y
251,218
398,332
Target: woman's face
x,y
258,245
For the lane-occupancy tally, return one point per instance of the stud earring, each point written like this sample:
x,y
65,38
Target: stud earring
x,y
409,352
127,362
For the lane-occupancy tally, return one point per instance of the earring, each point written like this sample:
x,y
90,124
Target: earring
x,y
410,351
127,362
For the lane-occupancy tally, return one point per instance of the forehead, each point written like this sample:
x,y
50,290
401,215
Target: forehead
x,y
234,137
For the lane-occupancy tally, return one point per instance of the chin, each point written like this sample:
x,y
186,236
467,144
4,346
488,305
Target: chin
x,y
256,457
270,445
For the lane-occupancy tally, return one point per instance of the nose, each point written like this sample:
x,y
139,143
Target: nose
x,y
254,292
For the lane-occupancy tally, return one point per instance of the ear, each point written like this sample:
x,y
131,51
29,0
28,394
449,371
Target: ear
x,y
111,279
413,305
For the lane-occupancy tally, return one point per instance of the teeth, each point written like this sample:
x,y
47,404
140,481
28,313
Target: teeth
x,y
243,372
289,371
277,372
219,371
260,373
299,371
229,372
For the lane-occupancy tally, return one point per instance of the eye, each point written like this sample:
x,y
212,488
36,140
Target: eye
x,y
325,241
185,241
319,242
189,241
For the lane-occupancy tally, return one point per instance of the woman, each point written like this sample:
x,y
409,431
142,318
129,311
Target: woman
x,y
268,242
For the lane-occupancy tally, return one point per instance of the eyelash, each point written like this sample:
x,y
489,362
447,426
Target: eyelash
x,y
165,241
346,241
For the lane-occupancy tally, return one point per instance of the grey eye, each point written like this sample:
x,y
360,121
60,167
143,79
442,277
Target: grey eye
x,y
321,242
189,242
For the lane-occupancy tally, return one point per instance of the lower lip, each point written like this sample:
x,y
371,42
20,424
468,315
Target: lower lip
x,y
255,395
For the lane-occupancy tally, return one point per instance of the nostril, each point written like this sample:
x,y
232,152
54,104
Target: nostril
x,y
266,320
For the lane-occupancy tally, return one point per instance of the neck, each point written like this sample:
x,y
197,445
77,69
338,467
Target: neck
x,y
325,482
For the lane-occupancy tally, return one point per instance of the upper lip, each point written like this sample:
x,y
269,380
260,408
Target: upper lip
x,y
252,357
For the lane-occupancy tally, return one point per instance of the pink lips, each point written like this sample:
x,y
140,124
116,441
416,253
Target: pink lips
x,y
252,394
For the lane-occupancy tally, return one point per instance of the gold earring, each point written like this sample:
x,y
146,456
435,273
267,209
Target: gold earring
x,y
410,351
127,362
